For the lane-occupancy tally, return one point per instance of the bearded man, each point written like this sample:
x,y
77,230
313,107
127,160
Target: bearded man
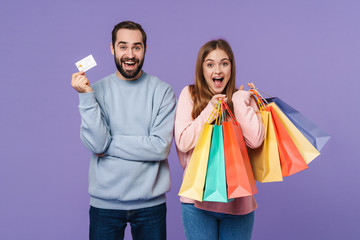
x,y
127,121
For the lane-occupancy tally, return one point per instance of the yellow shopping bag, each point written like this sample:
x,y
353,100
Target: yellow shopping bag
x,y
194,178
265,160
306,149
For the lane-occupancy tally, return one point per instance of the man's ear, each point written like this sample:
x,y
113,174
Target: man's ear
x,y
112,49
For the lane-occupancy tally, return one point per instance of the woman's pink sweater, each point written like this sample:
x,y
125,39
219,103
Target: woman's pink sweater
x,y
187,131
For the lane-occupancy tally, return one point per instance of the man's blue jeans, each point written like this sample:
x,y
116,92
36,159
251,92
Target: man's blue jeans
x,y
205,225
146,223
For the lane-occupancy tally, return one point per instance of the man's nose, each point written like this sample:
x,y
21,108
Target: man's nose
x,y
130,53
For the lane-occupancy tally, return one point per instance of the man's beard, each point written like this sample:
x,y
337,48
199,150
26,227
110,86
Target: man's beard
x,y
128,74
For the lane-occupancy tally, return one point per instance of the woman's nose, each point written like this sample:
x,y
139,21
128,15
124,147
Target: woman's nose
x,y
218,68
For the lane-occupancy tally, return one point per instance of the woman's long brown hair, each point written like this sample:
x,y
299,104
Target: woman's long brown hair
x,y
200,91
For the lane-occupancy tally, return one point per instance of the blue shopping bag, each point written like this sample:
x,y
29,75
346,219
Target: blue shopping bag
x,y
315,135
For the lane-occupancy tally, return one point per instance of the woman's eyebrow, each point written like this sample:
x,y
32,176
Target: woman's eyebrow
x,y
209,59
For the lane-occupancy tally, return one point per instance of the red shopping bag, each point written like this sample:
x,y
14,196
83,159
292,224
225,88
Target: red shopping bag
x,y
239,175
290,158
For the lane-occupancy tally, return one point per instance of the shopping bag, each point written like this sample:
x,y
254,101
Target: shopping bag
x,y
215,183
265,160
194,178
306,149
239,175
316,136
290,158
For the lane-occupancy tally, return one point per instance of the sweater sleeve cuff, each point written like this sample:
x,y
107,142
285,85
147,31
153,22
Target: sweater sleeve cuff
x,y
243,95
87,99
205,114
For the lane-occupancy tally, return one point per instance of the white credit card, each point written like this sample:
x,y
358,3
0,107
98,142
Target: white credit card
x,y
86,63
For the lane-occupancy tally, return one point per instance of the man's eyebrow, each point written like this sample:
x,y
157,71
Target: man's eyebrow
x,y
122,42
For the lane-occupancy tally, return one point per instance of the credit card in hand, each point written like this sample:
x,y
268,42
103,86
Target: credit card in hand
x,y
86,63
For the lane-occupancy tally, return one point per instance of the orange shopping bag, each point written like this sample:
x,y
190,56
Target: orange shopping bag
x,y
306,149
239,174
290,157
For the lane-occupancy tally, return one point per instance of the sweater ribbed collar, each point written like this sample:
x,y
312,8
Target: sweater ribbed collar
x,y
133,82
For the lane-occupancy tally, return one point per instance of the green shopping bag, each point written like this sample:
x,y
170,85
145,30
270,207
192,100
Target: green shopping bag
x,y
215,182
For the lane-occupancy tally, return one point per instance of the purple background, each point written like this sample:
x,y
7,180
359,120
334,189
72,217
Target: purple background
x,y
306,52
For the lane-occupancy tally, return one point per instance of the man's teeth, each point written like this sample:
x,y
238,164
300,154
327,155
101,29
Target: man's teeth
x,y
130,63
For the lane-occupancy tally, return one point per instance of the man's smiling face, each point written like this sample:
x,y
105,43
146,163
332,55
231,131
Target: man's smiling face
x,y
129,54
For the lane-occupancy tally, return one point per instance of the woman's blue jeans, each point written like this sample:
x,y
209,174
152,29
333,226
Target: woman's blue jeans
x,y
205,225
146,223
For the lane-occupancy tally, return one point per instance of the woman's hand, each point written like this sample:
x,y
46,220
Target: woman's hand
x,y
251,86
218,97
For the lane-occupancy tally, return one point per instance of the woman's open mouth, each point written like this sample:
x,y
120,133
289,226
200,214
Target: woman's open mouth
x,y
218,81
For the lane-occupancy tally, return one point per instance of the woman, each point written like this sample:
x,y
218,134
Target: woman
x,y
215,80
